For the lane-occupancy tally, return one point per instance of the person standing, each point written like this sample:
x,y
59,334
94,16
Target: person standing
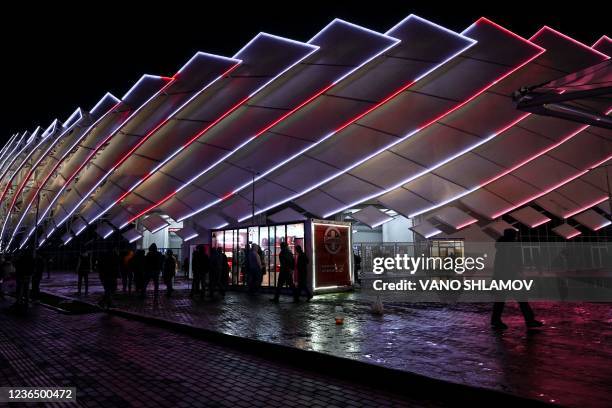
x,y
254,265
6,269
508,265
126,277
302,270
285,276
23,275
169,271
357,262
197,266
108,271
128,265
262,257
213,270
39,267
218,271
244,266
137,267
185,268
225,272
84,266
153,266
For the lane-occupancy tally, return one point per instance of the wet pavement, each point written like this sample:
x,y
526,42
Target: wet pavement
x,y
568,362
116,362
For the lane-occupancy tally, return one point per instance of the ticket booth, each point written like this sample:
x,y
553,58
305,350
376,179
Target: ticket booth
x,y
327,244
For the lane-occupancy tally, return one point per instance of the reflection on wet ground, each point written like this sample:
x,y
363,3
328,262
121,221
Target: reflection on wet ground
x,y
117,362
569,361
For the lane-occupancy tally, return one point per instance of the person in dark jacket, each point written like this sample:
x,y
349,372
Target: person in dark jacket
x,y
302,270
214,266
255,267
185,267
84,266
219,269
23,273
138,269
199,267
262,256
508,265
153,267
127,275
225,271
169,271
37,274
108,271
285,276
6,268
357,263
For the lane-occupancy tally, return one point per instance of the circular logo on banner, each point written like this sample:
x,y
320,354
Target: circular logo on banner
x,y
332,240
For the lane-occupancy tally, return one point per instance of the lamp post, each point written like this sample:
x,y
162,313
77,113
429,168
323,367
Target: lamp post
x,y
36,219
254,173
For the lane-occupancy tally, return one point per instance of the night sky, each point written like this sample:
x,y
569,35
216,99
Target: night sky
x,y
55,59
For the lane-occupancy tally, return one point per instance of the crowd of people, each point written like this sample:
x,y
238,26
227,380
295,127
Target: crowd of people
x,y
137,270
253,268
27,268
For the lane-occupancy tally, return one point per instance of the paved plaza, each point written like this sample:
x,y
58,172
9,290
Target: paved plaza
x,y
569,361
115,362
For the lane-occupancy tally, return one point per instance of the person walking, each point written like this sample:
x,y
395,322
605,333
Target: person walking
x,y
508,265
153,266
302,270
84,267
169,271
285,276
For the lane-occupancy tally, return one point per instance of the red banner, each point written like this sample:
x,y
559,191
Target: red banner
x,y
332,255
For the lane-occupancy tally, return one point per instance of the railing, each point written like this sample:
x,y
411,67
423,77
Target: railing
x,y
368,251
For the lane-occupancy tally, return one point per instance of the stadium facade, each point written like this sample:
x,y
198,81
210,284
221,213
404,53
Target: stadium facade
x,y
410,134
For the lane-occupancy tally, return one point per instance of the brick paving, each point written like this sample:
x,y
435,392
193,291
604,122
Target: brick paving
x,y
114,362
568,362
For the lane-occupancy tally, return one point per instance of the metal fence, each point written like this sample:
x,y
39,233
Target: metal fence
x,y
437,247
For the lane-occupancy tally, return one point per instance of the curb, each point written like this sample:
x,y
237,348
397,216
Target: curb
x,y
402,382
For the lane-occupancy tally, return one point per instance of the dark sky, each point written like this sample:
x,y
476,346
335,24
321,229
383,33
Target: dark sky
x,y
57,58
